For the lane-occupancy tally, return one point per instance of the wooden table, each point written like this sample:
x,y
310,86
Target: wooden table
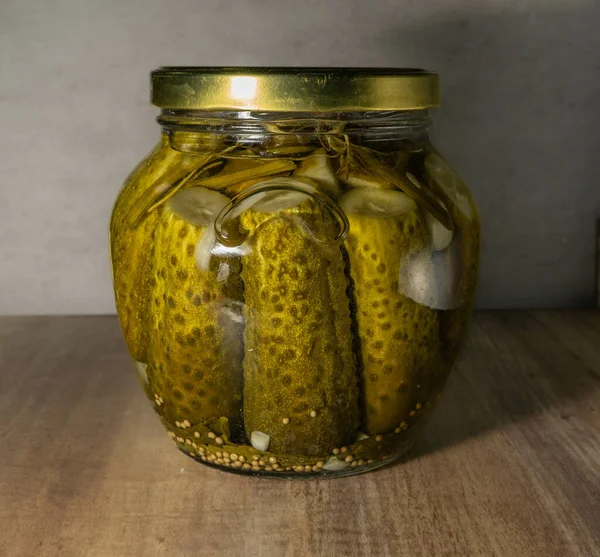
x,y
509,465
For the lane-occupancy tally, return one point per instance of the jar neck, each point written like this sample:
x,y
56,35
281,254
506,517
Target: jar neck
x,y
372,128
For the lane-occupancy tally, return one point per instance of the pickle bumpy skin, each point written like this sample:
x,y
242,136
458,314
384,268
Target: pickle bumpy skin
x,y
399,338
300,385
131,250
196,346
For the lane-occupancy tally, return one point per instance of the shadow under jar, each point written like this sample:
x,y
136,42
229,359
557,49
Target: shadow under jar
x,y
294,266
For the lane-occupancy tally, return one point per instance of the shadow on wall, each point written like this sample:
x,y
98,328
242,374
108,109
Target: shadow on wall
x,y
521,119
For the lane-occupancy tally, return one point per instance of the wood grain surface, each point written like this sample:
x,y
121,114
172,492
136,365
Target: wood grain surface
x,y
509,465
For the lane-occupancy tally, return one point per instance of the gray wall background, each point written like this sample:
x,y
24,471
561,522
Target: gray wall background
x,y
520,118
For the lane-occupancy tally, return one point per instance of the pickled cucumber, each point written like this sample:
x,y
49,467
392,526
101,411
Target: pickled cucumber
x,y
300,385
195,352
399,338
131,250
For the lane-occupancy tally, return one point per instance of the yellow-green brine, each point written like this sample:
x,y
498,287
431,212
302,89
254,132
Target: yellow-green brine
x,y
294,266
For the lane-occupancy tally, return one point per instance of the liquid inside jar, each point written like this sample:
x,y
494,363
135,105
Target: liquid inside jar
x,y
294,293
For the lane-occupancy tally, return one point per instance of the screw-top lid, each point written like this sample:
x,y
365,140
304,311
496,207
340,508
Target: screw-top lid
x,y
294,89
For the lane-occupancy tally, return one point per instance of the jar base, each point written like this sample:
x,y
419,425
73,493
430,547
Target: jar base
x,y
309,475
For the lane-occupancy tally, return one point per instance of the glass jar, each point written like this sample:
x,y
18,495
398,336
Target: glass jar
x,y
294,266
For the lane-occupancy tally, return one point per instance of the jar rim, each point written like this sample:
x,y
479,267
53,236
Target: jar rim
x,y
294,89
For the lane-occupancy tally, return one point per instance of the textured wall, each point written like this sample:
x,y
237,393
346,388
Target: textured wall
x,y
520,119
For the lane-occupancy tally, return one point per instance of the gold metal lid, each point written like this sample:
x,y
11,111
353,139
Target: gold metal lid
x,y
294,89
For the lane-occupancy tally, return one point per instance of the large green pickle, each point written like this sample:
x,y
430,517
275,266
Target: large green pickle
x,y
131,252
196,342
399,338
300,385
